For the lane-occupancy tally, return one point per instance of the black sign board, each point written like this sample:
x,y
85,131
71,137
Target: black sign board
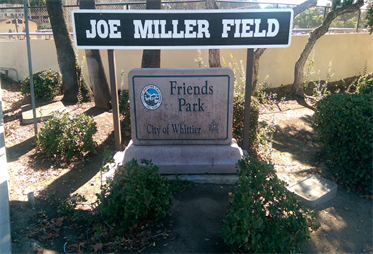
x,y
161,29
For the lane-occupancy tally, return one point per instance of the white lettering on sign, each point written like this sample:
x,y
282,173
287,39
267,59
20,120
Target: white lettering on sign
x,y
242,28
103,30
273,31
150,29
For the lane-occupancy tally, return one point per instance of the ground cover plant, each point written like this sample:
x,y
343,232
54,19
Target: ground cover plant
x,y
47,85
66,136
137,193
264,217
344,124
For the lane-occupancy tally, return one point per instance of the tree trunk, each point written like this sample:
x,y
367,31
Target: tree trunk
x,y
214,58
255,76
314,36
214,54
259,52
65,52
97,77
151,58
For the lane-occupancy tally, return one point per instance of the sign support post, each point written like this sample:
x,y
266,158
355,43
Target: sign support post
x,y
249,79
182,29
30,69
114,101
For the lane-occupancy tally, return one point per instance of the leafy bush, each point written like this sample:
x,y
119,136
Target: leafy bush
x,y
136,193
66,136
264,216
47,85
366,87
124,110
239,117
344,124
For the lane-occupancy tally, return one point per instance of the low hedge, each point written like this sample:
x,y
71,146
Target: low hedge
x,y
66,136
138,193
264,216
344,124
47,85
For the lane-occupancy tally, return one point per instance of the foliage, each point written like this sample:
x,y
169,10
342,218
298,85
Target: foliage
x,y
344,124
239,106
264,216
69,204
366,86
369,17
265,96
347,20
136,193
264,142
79,76
66,136
47,85
124,110
179,185
320,87
199,59
309,18
238,120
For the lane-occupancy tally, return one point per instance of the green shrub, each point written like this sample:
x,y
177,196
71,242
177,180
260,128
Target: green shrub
x,y
136,193
264,216
66,136
239,117
47,85
344,124
124,110
366,86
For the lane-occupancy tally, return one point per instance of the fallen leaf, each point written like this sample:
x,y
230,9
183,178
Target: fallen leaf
x,y
207,239
97,247
164,245
154,244
347,209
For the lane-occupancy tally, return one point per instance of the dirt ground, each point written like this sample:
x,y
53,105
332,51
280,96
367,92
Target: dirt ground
x,y
195,218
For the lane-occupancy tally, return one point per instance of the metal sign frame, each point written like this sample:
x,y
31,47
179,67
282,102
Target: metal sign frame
x,y
182,29
152,25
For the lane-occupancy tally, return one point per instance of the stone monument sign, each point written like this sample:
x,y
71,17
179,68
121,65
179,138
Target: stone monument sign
x,y
181,119
181,106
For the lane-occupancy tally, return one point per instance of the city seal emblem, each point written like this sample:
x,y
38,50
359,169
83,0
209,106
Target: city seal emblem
x,y
151,97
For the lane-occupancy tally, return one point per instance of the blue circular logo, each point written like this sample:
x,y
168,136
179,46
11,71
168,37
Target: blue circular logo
x,y
151,97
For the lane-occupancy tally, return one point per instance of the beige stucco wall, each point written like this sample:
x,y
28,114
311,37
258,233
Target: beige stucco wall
x,y
347,52
6,25
13,54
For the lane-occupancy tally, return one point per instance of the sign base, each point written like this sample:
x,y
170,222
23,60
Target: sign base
x,y
188,159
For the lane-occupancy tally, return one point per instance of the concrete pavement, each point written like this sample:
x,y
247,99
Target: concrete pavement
x,y
5,236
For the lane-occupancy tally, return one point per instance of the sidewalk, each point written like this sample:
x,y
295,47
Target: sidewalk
x,y
5,238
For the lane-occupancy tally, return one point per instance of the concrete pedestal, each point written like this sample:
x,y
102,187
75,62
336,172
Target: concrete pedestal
x,y
188,159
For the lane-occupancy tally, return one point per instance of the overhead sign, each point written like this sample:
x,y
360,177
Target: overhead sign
x,y
162,29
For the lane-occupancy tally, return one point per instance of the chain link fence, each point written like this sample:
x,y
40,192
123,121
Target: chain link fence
x,y
12,16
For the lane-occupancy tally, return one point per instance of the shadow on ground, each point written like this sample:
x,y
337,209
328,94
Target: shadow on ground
x,y
14,152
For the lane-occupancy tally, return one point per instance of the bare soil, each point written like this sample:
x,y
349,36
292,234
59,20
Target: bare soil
x,y
195,218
